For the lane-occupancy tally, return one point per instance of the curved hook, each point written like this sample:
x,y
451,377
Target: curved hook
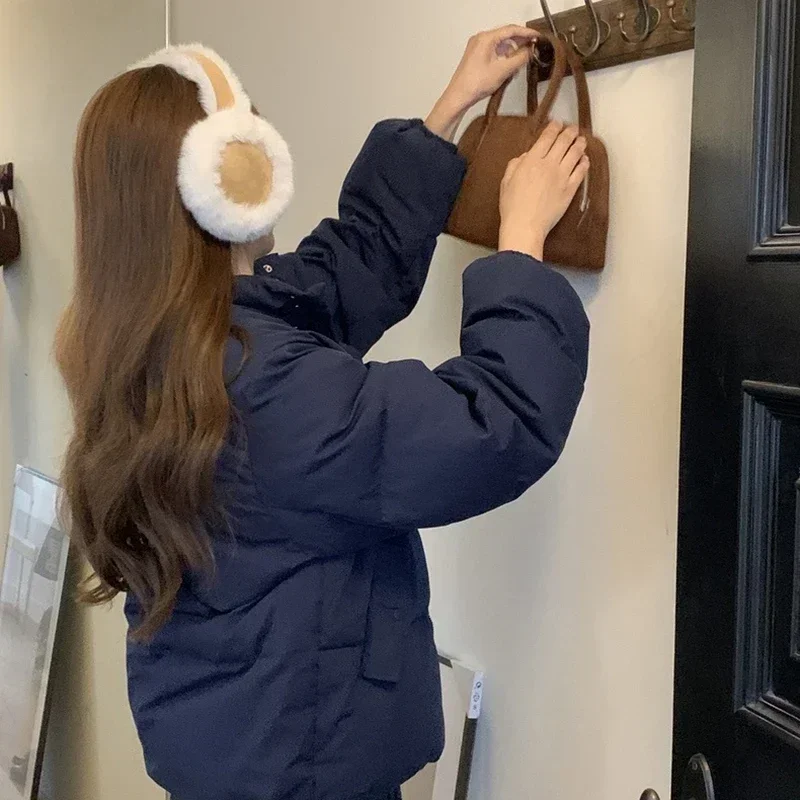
x,y
549,17
602,30
552,23
647,20
686,25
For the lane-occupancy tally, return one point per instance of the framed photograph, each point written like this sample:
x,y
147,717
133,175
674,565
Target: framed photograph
x,y
448,779
31,586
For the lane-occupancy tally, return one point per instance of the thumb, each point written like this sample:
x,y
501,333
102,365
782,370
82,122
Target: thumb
x,y
515,57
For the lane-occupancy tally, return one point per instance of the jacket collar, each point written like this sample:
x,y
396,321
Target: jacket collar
x,y
268,294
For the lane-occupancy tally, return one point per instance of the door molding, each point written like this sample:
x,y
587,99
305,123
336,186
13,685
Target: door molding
x,y
767,407
773,235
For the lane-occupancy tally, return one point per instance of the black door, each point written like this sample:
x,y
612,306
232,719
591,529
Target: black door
x,y
737,677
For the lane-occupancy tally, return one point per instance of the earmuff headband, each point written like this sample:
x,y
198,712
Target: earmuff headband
x,y
235,172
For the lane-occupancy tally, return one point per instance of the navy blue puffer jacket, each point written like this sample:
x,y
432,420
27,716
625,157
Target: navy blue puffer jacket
x,y
306,668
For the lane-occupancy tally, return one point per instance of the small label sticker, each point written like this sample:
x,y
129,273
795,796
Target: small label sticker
x,y
477,695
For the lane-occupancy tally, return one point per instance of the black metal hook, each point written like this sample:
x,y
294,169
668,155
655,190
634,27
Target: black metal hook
x,y
686,24
602,30
647,20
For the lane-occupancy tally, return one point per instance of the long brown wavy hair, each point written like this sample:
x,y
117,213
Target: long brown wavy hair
x,y
141,347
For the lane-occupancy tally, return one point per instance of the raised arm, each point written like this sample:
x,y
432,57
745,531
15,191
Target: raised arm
x,y
399,446
374,258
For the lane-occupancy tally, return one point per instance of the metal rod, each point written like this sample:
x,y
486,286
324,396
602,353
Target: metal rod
x,y
548,16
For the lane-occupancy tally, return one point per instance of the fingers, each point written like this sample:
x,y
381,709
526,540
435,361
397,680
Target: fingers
x,y
512,167
563,142
548,138
579,174
513,32
515,61
574,155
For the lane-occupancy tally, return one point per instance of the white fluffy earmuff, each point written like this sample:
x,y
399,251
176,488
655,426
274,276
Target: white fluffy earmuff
x,y
235,171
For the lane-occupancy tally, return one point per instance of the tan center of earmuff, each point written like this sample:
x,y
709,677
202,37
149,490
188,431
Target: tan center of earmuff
x,y
245,173
245,170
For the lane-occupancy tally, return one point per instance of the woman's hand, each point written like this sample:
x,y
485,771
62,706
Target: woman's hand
x,y
490,59
538,188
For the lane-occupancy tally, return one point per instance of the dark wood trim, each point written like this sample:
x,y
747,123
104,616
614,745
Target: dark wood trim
x,y
773,236
795,641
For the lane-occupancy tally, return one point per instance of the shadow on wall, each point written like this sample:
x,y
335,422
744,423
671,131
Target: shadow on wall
x,y
16,361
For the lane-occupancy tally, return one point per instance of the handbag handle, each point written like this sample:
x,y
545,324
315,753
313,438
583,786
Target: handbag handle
x,y
581,88
540,111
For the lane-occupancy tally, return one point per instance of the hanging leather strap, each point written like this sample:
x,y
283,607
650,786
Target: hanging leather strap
x,y
581,87
559,71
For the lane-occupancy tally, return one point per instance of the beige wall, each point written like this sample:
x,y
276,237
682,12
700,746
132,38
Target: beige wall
x,y
53,55
565,598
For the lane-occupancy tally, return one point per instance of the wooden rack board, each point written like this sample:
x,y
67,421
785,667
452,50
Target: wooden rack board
x,y
665,38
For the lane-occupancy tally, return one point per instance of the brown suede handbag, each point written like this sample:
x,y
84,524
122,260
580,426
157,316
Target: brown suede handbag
x,y
9,222
492,141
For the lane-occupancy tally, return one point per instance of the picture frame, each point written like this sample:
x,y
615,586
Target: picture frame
x,y
462,696
31,591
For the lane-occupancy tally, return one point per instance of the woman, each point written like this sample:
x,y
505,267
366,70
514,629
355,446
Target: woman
x,y
236,468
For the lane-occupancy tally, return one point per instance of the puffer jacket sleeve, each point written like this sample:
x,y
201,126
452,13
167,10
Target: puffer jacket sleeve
x,y
373,260
402,446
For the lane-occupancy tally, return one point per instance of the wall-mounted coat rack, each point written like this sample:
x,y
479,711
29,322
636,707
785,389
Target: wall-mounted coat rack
x,y
611,32
9,223
6,178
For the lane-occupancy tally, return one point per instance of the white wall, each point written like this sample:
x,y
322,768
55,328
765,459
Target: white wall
x,y
53,56
566,598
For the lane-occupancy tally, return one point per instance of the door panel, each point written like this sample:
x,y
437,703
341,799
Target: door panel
x,y
768,662
737,680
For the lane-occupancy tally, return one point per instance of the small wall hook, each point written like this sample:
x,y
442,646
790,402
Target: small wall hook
x,y
647,20
602,30
6,177
686,23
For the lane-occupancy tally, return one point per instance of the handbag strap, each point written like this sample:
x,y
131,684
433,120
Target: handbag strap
x,y
581,86
559,71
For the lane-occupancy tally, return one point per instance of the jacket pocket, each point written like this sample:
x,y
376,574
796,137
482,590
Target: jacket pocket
x,y
383,653
391,611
